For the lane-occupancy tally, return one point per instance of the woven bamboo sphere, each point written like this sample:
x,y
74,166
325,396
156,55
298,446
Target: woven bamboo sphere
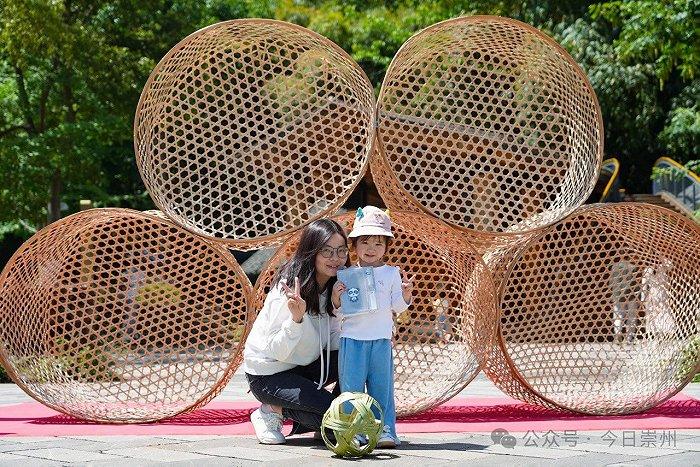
x,y
452,320
352,414
601,311
118,316
488,124
495,250
393,195
249,129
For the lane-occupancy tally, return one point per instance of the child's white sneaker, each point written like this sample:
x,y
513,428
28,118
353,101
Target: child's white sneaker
x,y
387,440
267,425
360,440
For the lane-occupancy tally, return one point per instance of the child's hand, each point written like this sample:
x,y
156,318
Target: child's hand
x,y
406,287
338,290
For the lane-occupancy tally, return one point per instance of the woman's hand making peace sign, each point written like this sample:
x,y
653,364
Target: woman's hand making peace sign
x,y
296,304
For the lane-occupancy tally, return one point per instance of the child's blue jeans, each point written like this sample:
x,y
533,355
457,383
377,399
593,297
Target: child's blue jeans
x,y
370,363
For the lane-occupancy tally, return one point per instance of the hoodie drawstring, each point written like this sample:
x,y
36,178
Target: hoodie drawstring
x,y
325,365
328,348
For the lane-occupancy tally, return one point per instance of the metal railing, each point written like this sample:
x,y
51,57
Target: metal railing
x,y
679,182
611,168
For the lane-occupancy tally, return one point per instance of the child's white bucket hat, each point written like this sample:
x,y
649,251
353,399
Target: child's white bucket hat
x,y
371,220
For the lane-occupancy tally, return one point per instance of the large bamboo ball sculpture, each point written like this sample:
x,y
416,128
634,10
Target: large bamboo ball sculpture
x,y
489,125
452,320
393,195
249,129
495,250
601,312
118,316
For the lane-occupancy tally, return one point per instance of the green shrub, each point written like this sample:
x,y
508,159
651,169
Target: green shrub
x,y
689,358
3,376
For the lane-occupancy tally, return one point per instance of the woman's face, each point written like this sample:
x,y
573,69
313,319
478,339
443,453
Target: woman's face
x,y
370,250
326,268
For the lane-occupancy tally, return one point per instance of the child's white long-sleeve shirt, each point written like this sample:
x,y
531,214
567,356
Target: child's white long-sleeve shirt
x,y
378,324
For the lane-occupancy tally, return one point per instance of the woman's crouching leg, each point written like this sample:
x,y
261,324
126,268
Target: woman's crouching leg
x,y
299,397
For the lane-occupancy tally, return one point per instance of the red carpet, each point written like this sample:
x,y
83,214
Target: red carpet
x,y
457,415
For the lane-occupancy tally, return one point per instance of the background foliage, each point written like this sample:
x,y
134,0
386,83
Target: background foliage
x,y
71,72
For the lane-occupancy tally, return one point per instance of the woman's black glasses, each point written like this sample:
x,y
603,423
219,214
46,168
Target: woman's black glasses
x,y
328,252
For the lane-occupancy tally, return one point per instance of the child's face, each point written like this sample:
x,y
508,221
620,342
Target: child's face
x,y
370,250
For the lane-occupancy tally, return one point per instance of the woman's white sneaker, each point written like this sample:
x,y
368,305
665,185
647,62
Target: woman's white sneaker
x,y
268,426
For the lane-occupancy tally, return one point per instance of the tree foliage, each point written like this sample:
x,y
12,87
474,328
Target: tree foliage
x,y
71,72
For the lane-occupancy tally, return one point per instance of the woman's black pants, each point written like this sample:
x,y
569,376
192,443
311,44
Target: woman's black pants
x,y
296,391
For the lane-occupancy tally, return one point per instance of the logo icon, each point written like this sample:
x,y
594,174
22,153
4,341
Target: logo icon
x,y
354,294
502,437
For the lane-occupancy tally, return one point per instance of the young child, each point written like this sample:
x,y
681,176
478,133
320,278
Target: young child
x,y
365,356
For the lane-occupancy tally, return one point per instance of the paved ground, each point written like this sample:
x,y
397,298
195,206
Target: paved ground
x,y
585,448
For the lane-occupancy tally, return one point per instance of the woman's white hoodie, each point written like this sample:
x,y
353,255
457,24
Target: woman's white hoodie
x,y
277,343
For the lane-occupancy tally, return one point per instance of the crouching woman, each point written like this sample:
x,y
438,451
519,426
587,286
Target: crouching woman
x,y
292,351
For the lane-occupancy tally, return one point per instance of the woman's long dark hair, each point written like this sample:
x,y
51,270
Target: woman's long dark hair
x,y
303,264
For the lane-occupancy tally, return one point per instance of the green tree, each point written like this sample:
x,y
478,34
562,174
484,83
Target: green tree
x,y
644,60
71,73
